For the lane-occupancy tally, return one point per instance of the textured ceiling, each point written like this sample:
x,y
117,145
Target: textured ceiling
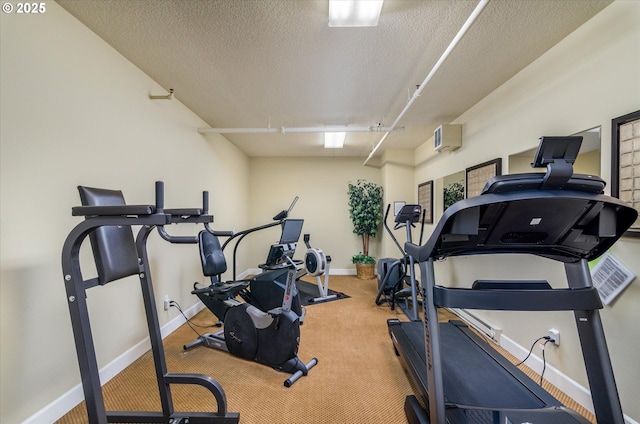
x,y
276,63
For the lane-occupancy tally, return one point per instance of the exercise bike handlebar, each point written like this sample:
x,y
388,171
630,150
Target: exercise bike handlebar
x,y
242,234
386,214
277,221
290,262
285,213
424,213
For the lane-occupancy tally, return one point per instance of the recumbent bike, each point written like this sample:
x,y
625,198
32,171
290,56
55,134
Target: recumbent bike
x,y
267,336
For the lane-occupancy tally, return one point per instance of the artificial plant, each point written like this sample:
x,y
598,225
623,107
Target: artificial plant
x,y
365,211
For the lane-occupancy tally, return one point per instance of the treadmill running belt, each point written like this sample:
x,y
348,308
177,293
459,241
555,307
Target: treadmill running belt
x,y
476,378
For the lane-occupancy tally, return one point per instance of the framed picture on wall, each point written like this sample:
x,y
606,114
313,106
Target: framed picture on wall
x,y
477,176
425,200
397,207
625,163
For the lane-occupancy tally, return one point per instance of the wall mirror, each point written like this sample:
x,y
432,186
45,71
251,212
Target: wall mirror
x,y
448,190
588,161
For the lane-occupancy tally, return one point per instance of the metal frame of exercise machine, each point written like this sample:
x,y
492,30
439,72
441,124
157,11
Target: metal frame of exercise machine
x,y
108,222
560,216
395,292
316,263
238,236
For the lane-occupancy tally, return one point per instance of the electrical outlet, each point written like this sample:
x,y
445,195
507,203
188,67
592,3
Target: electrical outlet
x,y
167,302
555,336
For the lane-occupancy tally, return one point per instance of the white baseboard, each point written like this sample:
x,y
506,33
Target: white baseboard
x,y
59,407
570,387
346,271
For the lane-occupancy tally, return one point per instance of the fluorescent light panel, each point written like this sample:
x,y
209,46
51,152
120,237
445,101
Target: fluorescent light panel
x,y
354,13
334,140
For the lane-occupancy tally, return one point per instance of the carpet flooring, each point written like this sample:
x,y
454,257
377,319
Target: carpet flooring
x,y
358,378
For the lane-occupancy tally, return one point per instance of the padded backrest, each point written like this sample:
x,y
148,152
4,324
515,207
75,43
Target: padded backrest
x,y
211,254
114,248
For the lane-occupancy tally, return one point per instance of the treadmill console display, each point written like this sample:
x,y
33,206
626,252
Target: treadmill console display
x,y
556,148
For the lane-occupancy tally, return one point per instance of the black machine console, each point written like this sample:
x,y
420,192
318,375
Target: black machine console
x,y
286,247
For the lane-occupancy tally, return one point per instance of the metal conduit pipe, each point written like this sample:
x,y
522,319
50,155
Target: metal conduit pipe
x,y
285,130
476,12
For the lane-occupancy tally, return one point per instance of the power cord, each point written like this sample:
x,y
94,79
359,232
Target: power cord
x,y
533,345
191,324
546,339
544,361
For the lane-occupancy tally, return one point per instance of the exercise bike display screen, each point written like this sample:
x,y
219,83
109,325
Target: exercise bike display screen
x,y
291,230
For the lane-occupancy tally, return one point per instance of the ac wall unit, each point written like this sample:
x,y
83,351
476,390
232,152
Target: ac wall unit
x,y
447,137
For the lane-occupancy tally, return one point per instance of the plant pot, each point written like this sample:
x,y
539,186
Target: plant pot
x,y
365,271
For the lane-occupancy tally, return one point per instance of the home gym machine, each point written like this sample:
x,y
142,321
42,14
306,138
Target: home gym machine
x,y
267,336
556,215
316,263
108,222
397,283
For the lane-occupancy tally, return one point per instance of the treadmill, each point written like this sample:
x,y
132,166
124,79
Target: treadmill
x,y
558,215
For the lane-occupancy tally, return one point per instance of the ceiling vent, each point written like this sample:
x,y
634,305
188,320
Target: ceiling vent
x,y
447,137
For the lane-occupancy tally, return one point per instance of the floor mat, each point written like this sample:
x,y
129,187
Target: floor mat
x,y
308,292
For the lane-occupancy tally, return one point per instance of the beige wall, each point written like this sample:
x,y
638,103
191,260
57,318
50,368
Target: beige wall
x,y
585,81
397,168
321,184
75,112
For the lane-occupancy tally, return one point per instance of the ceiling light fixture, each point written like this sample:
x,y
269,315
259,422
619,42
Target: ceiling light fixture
x,y
334,140
354,13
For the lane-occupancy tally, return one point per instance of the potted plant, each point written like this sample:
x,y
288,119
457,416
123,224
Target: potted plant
x,y
365,211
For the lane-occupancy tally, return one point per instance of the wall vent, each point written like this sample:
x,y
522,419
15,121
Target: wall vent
x,y
447,137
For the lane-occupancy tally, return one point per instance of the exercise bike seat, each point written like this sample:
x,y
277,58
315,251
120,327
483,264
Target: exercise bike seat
x,y
214,264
